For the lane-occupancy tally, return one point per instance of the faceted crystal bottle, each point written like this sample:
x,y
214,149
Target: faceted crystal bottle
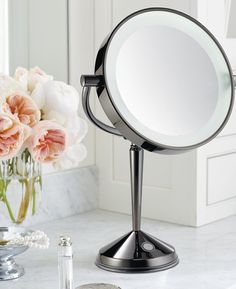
x,y
65,263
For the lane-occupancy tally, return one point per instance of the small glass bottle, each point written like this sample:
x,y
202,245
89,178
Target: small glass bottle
x,y
65,263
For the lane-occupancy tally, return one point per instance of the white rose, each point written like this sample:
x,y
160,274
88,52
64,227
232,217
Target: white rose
x,y
8,86
32,78
77,129
21,75
72,157
56,97
37,76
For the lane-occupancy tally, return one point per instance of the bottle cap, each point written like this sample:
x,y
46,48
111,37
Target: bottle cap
x,y
65,241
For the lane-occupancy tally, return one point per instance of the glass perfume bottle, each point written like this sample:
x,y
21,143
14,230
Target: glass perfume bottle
x,y
65,263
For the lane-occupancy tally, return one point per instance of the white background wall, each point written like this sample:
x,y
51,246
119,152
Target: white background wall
x,y
216,188
3,36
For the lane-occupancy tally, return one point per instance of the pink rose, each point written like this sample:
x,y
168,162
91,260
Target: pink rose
x,y
24,108
47,141
12,136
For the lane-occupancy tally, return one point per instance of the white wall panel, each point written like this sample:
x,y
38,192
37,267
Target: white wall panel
x,y
18,34
81,57
37,38
216,186
123,8
4,53
221,180
48,37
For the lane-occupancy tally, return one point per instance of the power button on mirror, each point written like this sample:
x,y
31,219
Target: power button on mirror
x,y
147,246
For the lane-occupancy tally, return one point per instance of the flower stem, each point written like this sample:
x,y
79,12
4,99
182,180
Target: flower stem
x,y
9,209
34,197
1,189
5,200
25,202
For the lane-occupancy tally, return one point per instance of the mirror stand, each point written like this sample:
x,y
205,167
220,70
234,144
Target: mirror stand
x,y
136,251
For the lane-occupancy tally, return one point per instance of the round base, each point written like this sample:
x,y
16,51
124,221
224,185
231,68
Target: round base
x,y
137,252
10,270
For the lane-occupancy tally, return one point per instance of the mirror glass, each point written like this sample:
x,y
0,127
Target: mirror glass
x,y
168,78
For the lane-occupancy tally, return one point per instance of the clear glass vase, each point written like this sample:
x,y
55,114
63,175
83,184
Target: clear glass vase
x,y
20,185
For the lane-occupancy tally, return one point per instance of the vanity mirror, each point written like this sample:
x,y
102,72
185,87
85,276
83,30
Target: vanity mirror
x,y
166,85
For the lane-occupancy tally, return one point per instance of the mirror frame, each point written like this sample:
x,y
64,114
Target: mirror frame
x,y
115,116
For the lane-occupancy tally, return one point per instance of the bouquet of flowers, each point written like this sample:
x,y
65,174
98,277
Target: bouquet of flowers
x,y
39,123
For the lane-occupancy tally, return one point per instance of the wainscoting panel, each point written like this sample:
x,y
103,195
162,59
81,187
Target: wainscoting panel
x,y
221,178
216,179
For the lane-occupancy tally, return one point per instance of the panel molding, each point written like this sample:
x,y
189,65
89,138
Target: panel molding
x,y
215,156
81,59
18,34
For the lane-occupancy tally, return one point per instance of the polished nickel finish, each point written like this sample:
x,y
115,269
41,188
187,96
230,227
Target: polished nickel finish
x,y
137,251
8,268
86,83
91,81
136,175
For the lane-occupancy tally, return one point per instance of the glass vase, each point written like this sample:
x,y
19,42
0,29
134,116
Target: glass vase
x,y
20,186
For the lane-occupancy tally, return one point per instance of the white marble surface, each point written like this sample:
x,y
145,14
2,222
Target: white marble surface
x,y
64,194
207,254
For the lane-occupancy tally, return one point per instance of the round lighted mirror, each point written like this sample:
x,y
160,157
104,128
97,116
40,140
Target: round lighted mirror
x,y
166,85
167,81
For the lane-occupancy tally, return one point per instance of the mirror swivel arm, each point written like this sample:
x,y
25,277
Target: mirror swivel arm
x,y
88,81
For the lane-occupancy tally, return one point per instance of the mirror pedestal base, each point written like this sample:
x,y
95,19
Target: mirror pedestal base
x,y
137,252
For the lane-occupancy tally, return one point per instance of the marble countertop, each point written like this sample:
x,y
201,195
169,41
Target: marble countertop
x,y
207,254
